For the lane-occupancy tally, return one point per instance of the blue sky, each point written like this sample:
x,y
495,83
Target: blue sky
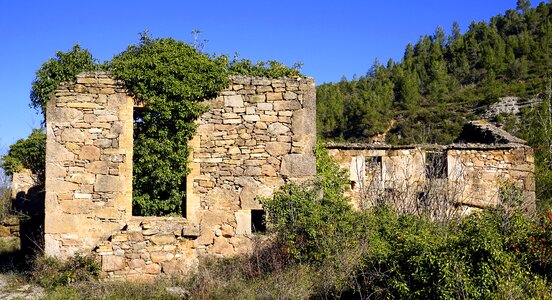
x,y
331,38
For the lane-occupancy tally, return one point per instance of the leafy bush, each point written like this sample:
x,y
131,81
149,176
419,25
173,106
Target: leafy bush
x,y
477,257
311,227
170,77
537,249
51,272
27,153
313,222
65,66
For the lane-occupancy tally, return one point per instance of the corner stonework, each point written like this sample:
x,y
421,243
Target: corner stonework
x,y
88,163
257,135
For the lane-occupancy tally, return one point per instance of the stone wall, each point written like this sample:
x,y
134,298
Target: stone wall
x,y
22,181
489,175
256,136
9,227
148,247
88,163
473,175
9,233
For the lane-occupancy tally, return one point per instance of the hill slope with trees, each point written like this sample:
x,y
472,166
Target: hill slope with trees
x,y
443,80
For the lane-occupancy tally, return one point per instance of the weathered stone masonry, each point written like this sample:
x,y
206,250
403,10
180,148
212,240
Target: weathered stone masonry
x,y
88,163
257,135
474,173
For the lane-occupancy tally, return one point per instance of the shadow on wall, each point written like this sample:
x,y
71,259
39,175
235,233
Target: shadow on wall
x,y
29,209
30,206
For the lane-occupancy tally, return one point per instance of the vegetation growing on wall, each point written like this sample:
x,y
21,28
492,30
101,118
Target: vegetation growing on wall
x,y
65,66
270,69
379,253
169,77
311,221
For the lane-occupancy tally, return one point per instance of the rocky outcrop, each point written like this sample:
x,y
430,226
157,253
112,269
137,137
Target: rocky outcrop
x,y
510,105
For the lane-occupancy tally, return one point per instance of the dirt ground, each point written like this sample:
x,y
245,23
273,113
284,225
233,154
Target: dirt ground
x,y
12,288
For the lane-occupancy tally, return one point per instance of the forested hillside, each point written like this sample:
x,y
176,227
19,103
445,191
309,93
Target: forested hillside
x,y
443,80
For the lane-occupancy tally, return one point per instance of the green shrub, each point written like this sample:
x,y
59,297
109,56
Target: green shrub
x,y
536,249
65,66
313,221
477,257
170,77
27,153
51,272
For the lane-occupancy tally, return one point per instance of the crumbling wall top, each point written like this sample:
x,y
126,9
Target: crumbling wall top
x,y
483,132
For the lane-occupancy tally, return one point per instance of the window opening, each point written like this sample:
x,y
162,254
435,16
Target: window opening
x,y
138,205
258,221
436,165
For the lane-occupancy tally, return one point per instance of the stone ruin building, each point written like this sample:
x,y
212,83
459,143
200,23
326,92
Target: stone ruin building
x,y
486,167
257,135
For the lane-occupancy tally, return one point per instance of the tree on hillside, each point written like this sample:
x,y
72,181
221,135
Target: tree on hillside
x,y
452,77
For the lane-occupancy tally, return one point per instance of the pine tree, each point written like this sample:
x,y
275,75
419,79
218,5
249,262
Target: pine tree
x,y
523,5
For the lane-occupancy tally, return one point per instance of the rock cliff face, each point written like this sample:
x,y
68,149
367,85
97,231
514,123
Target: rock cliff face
x,y
510,105
257,135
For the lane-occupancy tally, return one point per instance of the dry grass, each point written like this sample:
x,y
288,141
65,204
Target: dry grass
x,y
9,245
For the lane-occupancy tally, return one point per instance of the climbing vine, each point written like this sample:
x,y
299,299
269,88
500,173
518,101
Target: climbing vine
x,y
65,66
169,77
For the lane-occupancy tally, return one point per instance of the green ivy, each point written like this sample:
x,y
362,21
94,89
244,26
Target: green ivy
x,y
65,66
170,77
